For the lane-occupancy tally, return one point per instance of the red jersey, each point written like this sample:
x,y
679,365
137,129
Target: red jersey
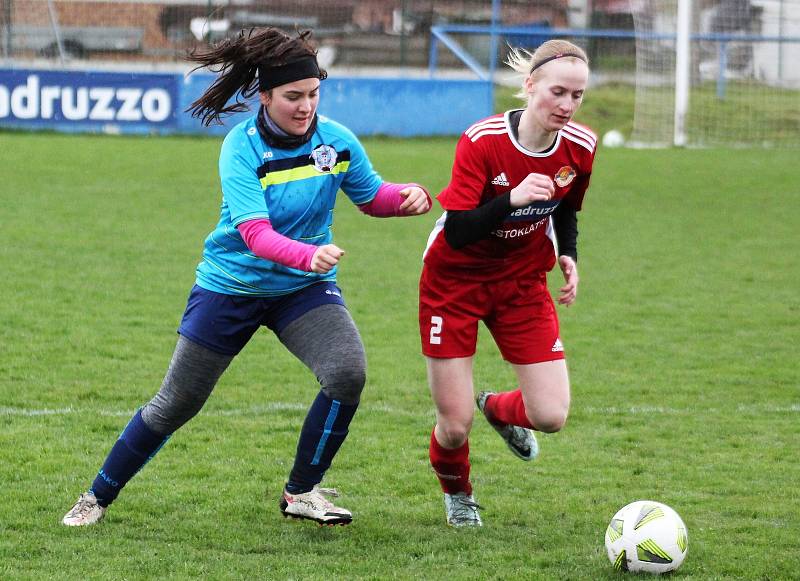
x,y
489,162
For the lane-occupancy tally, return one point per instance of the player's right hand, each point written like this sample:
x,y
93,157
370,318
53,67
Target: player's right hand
x,y
325,258
535,187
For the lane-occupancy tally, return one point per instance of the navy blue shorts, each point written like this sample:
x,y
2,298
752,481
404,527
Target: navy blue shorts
x,y
225,323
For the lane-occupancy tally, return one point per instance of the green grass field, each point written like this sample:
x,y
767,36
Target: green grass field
x,y
682,349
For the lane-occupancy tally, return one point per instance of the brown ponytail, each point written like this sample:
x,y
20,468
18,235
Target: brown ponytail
x,y
237,61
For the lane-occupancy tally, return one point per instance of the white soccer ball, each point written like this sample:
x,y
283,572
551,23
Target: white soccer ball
x,y
613,138
646,536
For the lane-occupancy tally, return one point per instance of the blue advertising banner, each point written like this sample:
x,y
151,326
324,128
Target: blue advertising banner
x,y
88,101
118,102
374,106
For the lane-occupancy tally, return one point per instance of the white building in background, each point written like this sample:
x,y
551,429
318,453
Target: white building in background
x,y
776,63
579,13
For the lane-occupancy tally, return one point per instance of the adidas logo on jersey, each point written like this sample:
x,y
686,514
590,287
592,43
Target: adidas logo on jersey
x,y
557,346
501,180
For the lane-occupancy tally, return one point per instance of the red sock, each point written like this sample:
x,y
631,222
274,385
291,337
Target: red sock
x,y
451,466
508,408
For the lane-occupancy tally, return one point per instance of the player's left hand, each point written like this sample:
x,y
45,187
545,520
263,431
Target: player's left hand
x,y
570,290
416,201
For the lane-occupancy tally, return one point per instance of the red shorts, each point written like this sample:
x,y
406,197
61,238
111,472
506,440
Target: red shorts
x,y
520,314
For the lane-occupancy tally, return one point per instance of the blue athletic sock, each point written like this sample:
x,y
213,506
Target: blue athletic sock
x,y
136,445
323,432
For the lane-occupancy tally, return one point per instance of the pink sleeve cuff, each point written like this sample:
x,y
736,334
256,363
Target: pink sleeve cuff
x,y
387,201
266,243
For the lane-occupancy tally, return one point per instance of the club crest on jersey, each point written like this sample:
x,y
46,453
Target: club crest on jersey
x,y
324,157
564,176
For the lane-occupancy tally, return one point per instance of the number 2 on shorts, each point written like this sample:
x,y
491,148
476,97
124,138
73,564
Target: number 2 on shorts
x,y
436,328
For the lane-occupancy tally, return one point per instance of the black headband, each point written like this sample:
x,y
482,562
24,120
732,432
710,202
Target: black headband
x,y
554,57
304,68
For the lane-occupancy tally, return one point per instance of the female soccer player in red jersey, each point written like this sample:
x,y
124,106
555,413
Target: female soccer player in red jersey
x,y
518,180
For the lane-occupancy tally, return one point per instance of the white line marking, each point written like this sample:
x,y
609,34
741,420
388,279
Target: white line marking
x,y
234,412
644,410
384,408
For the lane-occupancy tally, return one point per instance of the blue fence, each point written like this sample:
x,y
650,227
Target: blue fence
x,y
119,102
532,36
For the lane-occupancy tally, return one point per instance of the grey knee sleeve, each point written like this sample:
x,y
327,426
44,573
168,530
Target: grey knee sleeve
x,y
192,375
327,341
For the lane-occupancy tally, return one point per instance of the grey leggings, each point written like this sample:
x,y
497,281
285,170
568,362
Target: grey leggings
x,y
325,339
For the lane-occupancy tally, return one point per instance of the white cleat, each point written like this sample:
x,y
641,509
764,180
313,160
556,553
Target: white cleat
x,y
462,510
85,512
520,441
314,506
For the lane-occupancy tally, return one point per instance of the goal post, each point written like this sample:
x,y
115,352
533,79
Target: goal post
x,y
682,63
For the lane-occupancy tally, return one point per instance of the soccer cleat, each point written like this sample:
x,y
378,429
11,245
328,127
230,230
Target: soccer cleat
x,y
85,512
462,510
314,506
520,441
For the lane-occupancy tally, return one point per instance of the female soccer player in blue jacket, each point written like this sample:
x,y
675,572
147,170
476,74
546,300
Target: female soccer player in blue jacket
x,y
270,262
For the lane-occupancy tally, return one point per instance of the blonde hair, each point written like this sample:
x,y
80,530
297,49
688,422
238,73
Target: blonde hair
x,y
527,63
